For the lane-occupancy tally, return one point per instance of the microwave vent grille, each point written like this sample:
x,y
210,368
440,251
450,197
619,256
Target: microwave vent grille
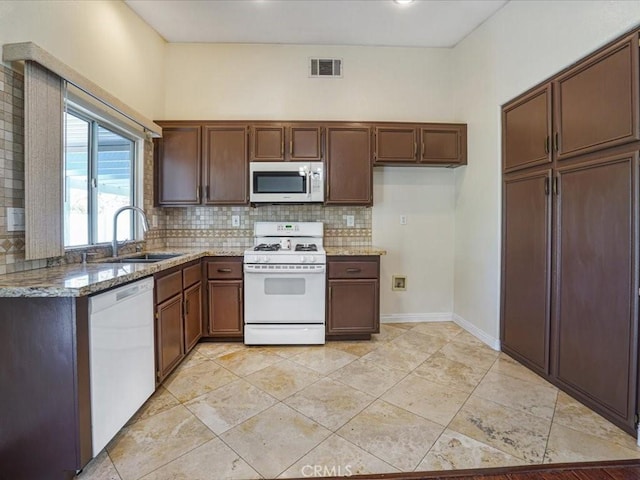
x,y
325,67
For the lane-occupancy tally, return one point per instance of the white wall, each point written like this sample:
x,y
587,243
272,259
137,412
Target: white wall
x,y
421,249
395,84
524,43
103,40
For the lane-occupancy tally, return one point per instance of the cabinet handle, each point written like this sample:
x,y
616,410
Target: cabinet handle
x,y
224,270
353,270
291,148
186,307
546,185
330,293
556,141
206,192
546,145
198,194
415,149
282,145
556,185
240,295
423,149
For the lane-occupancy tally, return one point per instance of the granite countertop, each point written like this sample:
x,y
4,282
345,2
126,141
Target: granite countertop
x,y
79,279
355,251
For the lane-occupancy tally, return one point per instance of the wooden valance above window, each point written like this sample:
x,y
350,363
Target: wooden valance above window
x,y
31,52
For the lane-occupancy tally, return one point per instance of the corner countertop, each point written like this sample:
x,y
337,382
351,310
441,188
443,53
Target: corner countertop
x,y
80,279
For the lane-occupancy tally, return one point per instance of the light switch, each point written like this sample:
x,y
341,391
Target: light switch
x,y
403,219
235,220
15,219
350,220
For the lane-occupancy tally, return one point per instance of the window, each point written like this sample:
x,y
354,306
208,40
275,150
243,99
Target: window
x,y
99,178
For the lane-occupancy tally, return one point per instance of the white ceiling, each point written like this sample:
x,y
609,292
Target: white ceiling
x,y
423,23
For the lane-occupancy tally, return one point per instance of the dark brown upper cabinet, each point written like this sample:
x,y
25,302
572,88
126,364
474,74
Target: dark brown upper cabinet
x,y
396,144
444,144
305,143
596,102
267,143
177,159
286,142
200,163
434,144
348,171
526,130
226,171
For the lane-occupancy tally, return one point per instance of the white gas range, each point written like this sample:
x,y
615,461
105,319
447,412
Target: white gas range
x,y
285,284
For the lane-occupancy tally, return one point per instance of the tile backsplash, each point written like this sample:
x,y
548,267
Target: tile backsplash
x,y
212,226
171,227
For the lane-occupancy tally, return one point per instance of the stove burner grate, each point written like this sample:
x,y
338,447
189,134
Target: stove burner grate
x,y
267,247
306,247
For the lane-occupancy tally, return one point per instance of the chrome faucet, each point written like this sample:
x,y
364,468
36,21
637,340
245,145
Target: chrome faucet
x,y
145,224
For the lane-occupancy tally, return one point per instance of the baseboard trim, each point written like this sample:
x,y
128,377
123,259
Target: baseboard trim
x,y
416,317
481,335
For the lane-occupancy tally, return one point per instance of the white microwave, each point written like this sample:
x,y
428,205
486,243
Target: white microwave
x,y
286,182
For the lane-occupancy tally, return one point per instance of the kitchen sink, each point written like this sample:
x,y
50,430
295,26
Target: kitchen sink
x,y
147,258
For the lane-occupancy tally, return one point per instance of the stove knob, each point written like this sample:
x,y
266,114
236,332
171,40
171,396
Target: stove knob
x,y
312,259
302,259
253,259
265,259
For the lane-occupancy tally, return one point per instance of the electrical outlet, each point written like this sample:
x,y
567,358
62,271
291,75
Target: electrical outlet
x,y
15,219
403,219
350,220
399,282
235,220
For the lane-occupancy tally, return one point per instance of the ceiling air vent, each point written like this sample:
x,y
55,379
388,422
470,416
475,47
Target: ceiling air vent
x,y
325,67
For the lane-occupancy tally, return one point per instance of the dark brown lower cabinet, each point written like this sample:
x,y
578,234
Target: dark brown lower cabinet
x,y
45,430
224,297
192,316
353,297
225,308
178,293
169,335
595,315
526,268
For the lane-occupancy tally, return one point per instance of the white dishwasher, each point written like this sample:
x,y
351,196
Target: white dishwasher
x,y
121,357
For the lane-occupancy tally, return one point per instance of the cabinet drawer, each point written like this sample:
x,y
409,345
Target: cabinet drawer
x,y
353,269
168,286
224,270
191,275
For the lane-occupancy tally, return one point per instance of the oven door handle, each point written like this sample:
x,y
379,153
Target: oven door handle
x,y
249,270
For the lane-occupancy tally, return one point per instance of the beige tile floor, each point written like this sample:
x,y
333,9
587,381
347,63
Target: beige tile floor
x,y
419,396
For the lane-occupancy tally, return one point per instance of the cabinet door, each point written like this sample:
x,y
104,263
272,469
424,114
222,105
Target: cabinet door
x,y
526,261
267,143
444,144
595,314
305,143
178,165
526,130
596,102
192,316
349,169
225,308
225,165
396,145
353,306
169,335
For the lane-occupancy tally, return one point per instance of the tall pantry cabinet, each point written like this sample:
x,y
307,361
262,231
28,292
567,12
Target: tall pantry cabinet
x,y
570,230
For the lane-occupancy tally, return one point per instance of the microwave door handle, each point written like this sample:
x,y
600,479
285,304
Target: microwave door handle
x,y
309,177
